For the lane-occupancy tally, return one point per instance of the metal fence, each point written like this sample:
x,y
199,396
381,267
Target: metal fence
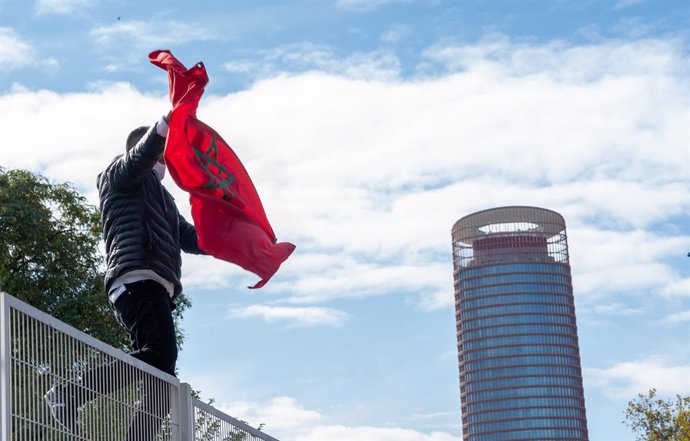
x,y
106,395
211,424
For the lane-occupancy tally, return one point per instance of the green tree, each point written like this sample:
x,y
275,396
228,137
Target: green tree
x,y
50,256
656,419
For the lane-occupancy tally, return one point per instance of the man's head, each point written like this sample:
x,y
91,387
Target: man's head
x,y
135,135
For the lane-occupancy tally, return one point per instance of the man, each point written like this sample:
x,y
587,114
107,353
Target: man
x,y
144,235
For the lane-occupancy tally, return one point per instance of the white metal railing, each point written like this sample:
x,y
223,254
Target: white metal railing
x,y
212,424
108,394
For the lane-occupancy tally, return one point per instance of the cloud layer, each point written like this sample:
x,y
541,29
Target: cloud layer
x,y
15,52
366,172
286,419
627,379
63,7
301,317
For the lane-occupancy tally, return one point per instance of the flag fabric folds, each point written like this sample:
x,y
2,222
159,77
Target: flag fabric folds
x,y
228,215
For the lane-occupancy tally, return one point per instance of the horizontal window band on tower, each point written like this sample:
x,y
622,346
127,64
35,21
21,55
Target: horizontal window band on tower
x,y
519,413
527,391
507,351
528,423
559,268
517,371
532,435
511,288
540,401
541,309
521,339
497,298
518,361
518,329
517,308
493,383
519,318
499,277
515,298
513,278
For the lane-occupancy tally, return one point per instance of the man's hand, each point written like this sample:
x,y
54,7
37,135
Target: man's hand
x,y
162,125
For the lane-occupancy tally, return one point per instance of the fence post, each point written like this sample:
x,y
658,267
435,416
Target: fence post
x,y
5,366
175,411
187,424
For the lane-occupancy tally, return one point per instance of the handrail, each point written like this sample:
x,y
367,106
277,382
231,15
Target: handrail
x,y
230,420
114,395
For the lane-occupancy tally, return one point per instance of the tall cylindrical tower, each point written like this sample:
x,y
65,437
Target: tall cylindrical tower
x,y
518,352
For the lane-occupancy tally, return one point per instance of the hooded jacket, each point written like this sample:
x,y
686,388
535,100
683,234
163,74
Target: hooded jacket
x,y
142,228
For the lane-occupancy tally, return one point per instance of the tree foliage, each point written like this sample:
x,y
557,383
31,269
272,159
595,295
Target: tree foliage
x,y
656,419
50,256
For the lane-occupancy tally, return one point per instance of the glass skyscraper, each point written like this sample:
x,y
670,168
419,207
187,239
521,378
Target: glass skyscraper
x,y
518,353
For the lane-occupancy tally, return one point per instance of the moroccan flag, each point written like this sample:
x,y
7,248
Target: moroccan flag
x,y
230,221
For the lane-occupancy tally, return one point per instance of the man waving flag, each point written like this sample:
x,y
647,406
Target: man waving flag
x,y
228,215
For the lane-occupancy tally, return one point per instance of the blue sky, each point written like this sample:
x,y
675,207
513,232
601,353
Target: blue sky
x,y
369,128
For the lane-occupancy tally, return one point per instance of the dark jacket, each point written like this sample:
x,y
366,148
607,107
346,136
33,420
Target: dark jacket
x,y
141,225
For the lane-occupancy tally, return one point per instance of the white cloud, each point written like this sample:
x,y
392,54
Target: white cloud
x,y
151,35
14,51
560,61
348,433
63,7
616,308
367,175
627,379
378,65
366,5
678,288
288,420
280,413
396,33
607,262
50,63
337,276
293,316
636,27
73,144
205,271
678,317
622,4
241,66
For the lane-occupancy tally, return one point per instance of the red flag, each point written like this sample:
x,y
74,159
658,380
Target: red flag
x,y
228,215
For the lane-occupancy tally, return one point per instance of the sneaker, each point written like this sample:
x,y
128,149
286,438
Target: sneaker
x,y
64,408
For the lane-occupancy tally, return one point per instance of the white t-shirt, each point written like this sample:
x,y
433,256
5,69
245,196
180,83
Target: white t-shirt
x,y
118,286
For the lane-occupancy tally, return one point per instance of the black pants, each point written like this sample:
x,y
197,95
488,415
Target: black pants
x,y
144,310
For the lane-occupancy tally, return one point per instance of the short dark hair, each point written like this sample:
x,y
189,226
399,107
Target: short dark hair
x,y
135,135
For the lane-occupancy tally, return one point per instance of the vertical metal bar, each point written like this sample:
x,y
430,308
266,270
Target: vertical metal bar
x,y
20,371
5,352
13,320
42,350
175,411
186,412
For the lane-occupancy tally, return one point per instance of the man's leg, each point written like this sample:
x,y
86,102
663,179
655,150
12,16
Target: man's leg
x,y
146,314
144,311
66,399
